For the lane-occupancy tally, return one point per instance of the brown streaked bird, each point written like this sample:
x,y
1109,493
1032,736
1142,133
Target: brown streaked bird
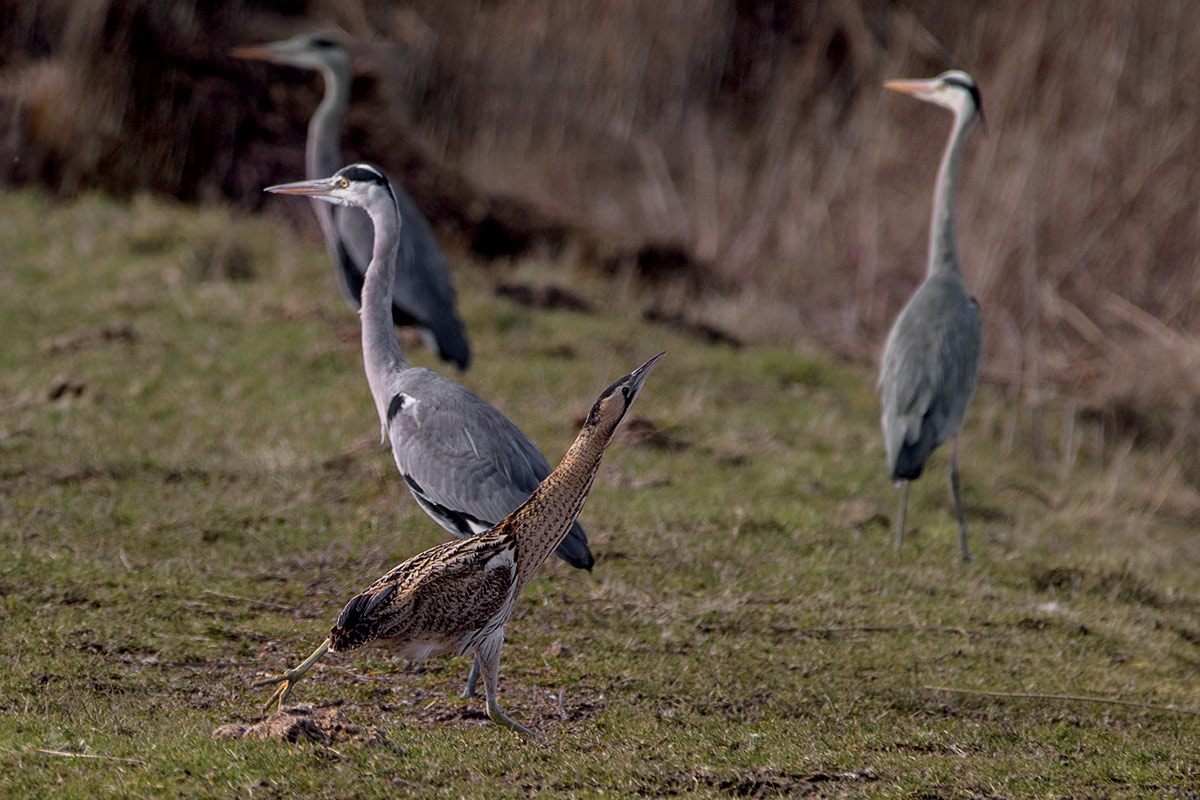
x,y
458,596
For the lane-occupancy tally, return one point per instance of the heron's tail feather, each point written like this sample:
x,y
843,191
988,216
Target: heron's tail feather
x,y
574,549
452,343
910,461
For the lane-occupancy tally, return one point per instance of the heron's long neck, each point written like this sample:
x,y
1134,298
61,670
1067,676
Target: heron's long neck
x,y
542,521
382,356
943,247
322,154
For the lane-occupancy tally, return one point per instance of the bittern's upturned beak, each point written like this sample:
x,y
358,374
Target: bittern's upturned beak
x,y
256,52
910,86
639,375
322,187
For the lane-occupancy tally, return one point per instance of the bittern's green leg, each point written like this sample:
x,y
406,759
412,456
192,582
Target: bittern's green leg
x,y
472,680
290,678
489,660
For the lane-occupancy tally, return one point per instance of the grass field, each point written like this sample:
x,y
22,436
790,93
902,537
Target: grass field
x,y
191,485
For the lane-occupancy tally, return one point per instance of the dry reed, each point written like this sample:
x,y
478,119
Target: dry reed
x,y
753,135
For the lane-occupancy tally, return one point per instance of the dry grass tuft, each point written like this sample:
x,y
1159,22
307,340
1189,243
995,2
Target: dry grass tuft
x,y
751,142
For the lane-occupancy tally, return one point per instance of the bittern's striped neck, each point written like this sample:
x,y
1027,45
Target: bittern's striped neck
x,y
543,521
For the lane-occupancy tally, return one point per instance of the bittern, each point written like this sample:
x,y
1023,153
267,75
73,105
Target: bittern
x,y
458,596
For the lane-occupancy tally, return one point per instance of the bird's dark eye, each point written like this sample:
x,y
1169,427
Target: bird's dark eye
x,y
625,392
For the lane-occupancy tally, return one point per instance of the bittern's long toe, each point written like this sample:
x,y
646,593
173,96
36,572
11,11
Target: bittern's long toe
x,y
290,678
497,715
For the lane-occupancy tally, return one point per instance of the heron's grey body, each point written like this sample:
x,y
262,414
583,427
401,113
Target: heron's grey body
x,y
467,465
930,369
422,295
933,354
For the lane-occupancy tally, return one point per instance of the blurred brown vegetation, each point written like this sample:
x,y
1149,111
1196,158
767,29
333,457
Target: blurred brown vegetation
x,y
746,147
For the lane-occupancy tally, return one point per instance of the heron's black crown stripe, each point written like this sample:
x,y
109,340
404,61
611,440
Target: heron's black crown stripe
x,y
954,80
325,43
364,173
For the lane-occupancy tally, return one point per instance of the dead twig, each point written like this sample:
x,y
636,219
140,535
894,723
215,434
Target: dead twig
x,y
93,756
1076,697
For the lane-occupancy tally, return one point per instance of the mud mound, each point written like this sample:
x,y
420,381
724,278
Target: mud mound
x,y
305,724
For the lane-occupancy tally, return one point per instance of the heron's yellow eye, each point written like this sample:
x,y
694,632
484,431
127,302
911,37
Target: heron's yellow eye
x,y
343,183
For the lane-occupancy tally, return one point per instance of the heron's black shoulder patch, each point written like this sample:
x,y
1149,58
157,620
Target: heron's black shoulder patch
x,y
394,407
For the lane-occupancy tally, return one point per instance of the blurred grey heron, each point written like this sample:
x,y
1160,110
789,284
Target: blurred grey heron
x,y
467,465
458,596
423,295
931,361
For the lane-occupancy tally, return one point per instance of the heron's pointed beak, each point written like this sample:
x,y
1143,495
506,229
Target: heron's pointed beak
x,y
322,187
910,86
638,377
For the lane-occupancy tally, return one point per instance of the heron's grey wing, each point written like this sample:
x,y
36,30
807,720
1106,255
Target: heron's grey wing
x,y
463,453
930,370
423,280
467,457
350,277
349,272
355,240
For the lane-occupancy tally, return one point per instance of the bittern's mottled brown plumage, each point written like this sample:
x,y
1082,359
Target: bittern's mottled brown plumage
x,y
458,596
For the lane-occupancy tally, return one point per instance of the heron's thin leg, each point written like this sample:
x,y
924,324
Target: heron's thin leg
x,y
903,508
958,510
488,656
290,678
472,679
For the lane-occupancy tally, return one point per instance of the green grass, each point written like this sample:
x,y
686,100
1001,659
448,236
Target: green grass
x,y
191,485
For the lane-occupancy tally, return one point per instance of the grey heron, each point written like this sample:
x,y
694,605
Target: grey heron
x,y
423,295
466,464
457,596
933,353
